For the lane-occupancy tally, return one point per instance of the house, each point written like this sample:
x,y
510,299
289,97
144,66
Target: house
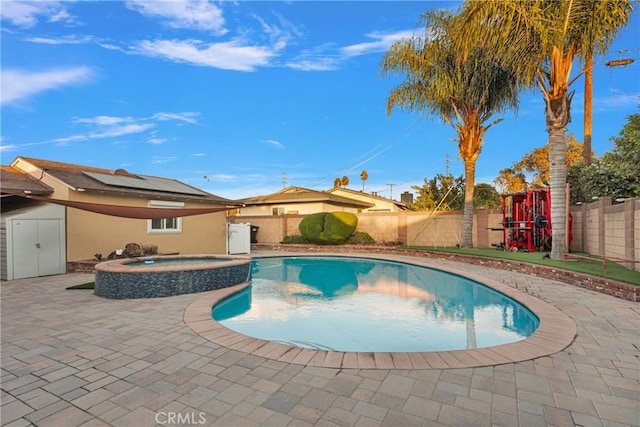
x,y
300,201
380,204
54,213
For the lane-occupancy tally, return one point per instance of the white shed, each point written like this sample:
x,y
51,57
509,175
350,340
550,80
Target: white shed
x,y
32,242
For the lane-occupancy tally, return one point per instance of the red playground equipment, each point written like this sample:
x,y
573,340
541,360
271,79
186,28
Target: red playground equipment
x,y
526,221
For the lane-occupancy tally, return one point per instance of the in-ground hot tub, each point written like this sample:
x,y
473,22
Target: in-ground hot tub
x,y
163,276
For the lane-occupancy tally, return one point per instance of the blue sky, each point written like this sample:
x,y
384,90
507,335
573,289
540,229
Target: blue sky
x,y
237,97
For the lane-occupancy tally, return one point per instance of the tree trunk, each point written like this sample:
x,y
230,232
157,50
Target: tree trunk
x,y
588,111
467,216
557,119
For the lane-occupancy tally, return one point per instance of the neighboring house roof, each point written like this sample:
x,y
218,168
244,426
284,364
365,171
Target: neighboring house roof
x,y
119,181
302,195
400,205
13,180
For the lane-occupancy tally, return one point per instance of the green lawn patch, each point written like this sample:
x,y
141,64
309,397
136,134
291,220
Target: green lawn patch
x,y
89,285
594,268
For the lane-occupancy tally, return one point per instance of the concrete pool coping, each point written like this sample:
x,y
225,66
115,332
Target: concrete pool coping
x,y
138,265
555,332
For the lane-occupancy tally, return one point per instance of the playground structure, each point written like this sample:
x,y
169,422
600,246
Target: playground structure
x,y
526,224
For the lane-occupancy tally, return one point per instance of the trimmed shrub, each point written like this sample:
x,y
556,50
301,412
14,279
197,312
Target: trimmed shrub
x,y
312,225
328,228
361,238
295,239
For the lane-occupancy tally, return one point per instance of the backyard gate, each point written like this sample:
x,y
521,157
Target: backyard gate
x,y
239,239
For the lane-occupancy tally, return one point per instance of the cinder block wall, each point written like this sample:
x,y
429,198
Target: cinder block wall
x,y
599,228
614,231
636,235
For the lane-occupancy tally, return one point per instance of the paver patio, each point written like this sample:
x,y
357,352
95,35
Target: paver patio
x,y
71,358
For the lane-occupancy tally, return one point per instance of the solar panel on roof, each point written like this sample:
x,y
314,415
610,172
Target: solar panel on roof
x,y
146,183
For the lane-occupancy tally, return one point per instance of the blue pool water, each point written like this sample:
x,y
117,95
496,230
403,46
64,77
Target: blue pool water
x,y
358,304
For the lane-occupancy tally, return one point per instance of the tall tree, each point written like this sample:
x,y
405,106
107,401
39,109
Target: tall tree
x,y
625,156
536,164
344,181
463,93
486,196
363,176
616,174
337,183
442,192
542,39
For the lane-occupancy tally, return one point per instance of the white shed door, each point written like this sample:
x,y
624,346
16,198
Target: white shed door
x,y
36,248
239,239
48,247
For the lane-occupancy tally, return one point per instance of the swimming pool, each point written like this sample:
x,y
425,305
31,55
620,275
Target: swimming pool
x,y
371,305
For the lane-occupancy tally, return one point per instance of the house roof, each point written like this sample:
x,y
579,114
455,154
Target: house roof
x,y
119,181
302,195
13,180
369,195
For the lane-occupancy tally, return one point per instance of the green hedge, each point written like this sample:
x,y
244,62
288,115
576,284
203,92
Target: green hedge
x,y
328,228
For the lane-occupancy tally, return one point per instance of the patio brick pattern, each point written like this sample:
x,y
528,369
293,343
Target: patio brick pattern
x,y
70,358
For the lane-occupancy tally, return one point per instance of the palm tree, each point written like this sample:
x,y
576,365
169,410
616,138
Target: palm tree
x,y
344,181
337,183
541,39
363,176
465,94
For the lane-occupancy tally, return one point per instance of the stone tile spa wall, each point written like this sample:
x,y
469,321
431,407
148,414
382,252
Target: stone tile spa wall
x,y
117,280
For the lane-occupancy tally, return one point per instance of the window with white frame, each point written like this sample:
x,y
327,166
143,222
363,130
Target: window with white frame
x,y
165,225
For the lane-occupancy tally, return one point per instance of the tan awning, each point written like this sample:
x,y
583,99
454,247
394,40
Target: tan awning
x,y
126,211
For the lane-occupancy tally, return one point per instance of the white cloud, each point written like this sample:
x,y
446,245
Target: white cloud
x,y
232,55
27,14
76,40
315,64
616,101
249,49
111,131
121,130
221,177
188,117
154,139
71,39
328,57
9,147
156,160
107,127
381,42
185,14
18,84
281,34
275,143
105,120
